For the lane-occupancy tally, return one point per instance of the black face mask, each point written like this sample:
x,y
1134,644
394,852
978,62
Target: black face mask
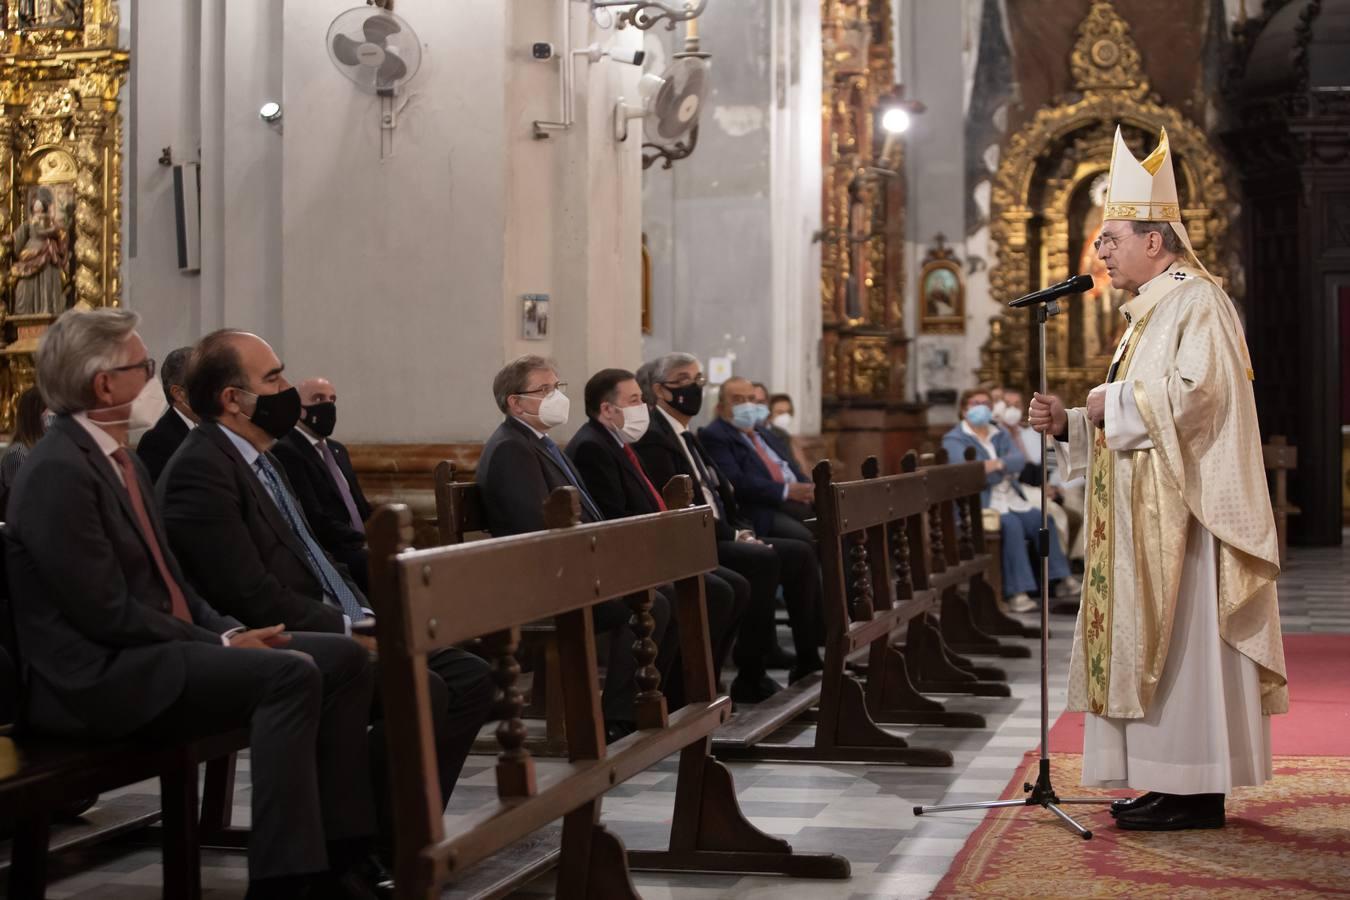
x,y
321,418
277,414
687,399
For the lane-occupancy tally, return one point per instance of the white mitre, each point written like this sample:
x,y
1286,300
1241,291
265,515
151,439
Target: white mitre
x,y
1147,191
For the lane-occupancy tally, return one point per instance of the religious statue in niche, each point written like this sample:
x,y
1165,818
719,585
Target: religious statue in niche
x,y
942,291
42,253
51,13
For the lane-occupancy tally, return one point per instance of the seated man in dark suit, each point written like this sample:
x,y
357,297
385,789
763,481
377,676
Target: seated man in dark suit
x,y
160,442
771,489
602,452
245,544
673,384
116,642
320,470
519,467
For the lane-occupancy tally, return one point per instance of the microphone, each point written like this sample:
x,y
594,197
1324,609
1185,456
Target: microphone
x,y
1075,285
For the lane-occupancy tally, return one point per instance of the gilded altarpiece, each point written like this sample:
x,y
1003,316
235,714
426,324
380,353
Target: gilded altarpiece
x,y
60,172
863,351
1047,209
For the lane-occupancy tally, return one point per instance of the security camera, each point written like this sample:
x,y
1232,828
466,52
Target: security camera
x,y
542,50
631,57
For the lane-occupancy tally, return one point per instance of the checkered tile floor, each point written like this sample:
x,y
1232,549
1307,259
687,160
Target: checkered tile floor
x,y
863,812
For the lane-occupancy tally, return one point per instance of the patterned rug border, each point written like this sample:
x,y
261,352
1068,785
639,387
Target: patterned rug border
x,y
974,858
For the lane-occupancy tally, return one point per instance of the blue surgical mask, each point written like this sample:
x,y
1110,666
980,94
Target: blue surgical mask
x,y
761,413
980,415
745,415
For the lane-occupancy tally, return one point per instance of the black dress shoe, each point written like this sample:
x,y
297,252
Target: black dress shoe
x,y
801,670
753,690
1130,805
616,730
1175,812
372,872
778,658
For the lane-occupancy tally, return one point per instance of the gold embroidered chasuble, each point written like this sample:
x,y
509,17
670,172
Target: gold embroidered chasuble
x,y
1186,360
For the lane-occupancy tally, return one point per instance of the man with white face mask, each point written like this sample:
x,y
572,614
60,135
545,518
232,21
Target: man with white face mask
x,y
118,643
602,451
518,469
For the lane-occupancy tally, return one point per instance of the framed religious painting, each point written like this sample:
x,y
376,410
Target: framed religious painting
x,y
942,292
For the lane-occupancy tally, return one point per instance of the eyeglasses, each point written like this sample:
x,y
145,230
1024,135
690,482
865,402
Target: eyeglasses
x,y
148,364
547,390
700,379
1109,241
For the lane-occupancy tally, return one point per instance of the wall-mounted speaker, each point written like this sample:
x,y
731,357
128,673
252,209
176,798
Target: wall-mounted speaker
x,y
187,197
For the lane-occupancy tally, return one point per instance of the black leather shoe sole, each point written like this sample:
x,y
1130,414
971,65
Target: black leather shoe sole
x,y
1143,823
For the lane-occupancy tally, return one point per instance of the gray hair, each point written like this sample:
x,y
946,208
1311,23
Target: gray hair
x,y
1171,241
77,347
515,377
662,366
644,380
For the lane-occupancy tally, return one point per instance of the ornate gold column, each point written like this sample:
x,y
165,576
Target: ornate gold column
x,y
864,345
60,140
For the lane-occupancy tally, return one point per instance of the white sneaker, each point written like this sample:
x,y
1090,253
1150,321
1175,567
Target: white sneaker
x,y
1021,603
1068,587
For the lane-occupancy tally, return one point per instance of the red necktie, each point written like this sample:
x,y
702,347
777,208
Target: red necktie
x,y
775,470
176,598
632,458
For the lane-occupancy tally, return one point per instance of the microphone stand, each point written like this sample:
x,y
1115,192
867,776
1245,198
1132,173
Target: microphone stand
x,y
1042,793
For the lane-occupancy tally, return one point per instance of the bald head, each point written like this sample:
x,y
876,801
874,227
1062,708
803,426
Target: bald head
x,y
317,390
229,370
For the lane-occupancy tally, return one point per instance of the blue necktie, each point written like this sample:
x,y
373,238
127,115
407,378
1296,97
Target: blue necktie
x,y
557,455
333,584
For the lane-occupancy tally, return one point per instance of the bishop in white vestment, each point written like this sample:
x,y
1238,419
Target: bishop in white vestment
x,y
1177,657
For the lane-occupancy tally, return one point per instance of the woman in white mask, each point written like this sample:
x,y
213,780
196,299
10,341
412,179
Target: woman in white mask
x,y
783,423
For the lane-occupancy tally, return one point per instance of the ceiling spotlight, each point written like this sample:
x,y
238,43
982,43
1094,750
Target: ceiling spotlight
x,y
895,120
270,111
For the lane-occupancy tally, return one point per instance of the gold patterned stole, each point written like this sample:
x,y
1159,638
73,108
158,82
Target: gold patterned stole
x,y
1098,594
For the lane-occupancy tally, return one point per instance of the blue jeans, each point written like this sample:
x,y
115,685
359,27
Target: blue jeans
x,y
1019,575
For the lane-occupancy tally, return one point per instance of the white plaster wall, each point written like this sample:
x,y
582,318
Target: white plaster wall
x,y
397,278
932,35
734,270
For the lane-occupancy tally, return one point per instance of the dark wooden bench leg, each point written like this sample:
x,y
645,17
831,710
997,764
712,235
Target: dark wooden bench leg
x,y
964,636
709,833
592,863
218,806
182,851
989,618
892,698
28,868
934,672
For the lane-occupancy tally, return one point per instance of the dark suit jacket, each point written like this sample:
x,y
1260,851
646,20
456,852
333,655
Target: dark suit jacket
x,y
516,475
758,493
663,457
610,478
99,644
160,442
322,502
233,541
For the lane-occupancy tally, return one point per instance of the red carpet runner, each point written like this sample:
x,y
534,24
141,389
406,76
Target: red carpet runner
x,y
1290,838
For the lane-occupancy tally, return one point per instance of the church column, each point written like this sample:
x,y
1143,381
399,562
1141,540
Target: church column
x,y
932,34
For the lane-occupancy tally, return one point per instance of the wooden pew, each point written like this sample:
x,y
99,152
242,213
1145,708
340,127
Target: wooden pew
x,y
860,526
1281,459
954,550
459,514
40,776
420,603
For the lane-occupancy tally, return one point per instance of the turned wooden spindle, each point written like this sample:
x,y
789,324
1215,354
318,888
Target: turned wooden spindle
x,y
651,703
515,766
860,578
